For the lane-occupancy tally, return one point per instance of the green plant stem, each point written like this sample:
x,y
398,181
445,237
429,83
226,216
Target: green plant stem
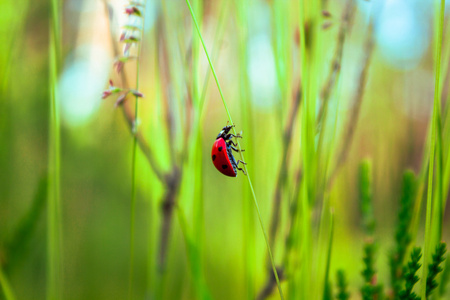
x,y
239,147
133,166
435,118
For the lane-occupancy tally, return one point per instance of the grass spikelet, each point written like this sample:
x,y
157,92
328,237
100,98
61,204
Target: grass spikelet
x,y
402,234
410,277
435,267
365,196
342,286
370,288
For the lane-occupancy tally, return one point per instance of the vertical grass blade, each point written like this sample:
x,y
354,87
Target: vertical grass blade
x,y
434,120
239,147
54,230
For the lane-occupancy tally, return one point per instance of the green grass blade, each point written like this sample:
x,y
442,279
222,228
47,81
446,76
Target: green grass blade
x,y
7,289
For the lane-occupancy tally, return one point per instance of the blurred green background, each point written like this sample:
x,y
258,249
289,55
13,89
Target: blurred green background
x,y
255,50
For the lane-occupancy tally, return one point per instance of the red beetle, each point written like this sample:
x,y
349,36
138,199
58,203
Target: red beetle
x,y
222,155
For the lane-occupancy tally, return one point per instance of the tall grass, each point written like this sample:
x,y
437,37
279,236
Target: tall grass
x,y
54,217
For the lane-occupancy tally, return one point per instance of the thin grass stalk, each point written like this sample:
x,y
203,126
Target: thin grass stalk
x,y
330,84
133,163
282,46
443,133
329,253
199,101
54,228
354,115
301,284
434,120
310,75
422,176
326,92
445,87
239,146
438,201
171,105
8,292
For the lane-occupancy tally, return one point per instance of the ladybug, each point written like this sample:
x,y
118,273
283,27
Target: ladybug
x,y
222,155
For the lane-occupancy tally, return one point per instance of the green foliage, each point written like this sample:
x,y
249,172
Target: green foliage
x,y
342,292
365,196
410,277
402,234
435,267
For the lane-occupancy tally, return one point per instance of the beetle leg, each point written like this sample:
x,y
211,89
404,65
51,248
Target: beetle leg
x,y
237,166
230,136
233,145
235,136
237,150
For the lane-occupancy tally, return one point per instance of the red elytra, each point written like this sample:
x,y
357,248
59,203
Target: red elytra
x,y
221,158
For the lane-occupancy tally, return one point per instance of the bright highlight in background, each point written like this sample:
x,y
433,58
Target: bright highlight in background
x,y
403,32
82,82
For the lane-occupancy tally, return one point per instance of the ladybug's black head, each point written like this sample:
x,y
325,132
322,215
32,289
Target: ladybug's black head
x,y
224,131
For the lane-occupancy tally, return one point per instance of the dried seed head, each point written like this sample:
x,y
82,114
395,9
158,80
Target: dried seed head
x,y
326,25
137,93
121,99
326,14
132,10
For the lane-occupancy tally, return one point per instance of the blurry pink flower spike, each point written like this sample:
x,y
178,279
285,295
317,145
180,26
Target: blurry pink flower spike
x,y
111,84
132,10
326,14
137,93
126,49
106,94
326,25
122,36
120,99
119,66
